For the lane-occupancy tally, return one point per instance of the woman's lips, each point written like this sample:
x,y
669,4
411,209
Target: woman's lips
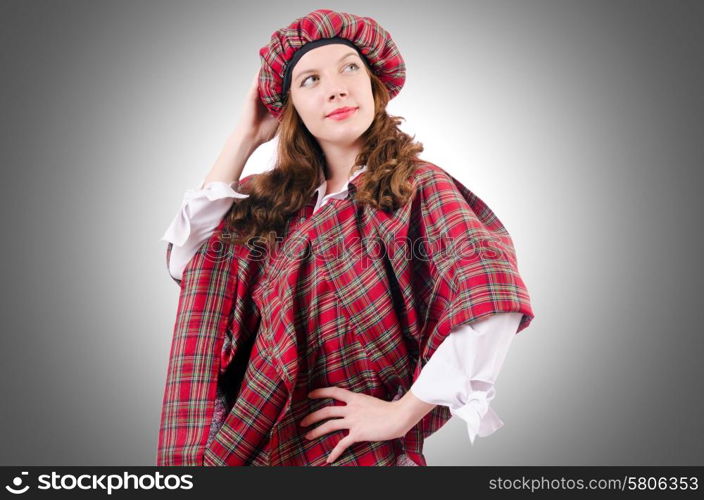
x,y
342,116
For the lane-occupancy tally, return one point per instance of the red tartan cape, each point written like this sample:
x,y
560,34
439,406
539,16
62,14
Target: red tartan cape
x,y
354,297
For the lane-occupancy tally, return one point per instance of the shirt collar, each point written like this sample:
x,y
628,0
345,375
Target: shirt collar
x,y
340,194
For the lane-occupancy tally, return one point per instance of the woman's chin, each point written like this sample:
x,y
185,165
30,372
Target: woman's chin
x,y
343,137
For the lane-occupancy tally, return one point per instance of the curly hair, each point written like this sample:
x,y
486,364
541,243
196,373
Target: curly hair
x,y
391,157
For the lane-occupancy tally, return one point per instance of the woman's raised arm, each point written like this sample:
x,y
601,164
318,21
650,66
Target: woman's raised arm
x,y
203,208
256,126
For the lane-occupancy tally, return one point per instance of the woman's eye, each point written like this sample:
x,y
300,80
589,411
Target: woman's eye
x,y
303,83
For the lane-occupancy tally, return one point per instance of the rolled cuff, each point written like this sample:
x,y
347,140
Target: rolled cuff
x,y
481,419
179,230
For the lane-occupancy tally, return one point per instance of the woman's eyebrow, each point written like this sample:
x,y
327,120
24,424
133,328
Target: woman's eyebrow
x,y
314,70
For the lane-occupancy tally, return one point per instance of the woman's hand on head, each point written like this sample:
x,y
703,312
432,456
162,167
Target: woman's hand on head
x,y
256,123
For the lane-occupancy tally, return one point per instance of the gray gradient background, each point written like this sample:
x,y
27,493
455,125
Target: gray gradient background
x,y
579,123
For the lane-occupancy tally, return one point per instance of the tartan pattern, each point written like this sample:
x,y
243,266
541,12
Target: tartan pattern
x,y
373,41
354,297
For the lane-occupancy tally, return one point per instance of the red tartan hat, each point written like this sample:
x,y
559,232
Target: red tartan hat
x,y
323,26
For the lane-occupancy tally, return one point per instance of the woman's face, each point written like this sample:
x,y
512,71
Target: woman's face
x,y
325,79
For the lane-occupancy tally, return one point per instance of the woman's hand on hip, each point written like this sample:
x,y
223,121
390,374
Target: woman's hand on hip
x,y
367,418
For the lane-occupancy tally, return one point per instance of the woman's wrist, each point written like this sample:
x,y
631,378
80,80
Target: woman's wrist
x,y
411,410
242,135
233,157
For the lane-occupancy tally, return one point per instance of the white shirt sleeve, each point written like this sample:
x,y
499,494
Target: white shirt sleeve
x,y
462,371
200,213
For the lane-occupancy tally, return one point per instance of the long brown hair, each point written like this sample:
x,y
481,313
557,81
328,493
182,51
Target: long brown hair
x,y
391,157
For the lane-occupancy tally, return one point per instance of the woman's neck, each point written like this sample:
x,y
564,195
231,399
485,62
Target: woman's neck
x,y
338,163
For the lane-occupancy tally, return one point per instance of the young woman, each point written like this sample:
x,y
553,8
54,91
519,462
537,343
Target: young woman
x,y
341,307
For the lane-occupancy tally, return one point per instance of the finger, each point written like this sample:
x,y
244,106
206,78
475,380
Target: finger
x,y
329,426
332,392
323,413
254,86
339,449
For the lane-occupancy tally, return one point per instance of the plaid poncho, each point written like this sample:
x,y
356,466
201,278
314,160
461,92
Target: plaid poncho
x,y
354,297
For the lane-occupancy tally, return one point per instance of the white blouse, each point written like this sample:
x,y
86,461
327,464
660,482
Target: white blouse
x,y
462,371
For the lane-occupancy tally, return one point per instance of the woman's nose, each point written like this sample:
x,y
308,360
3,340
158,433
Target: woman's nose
x,y
336,88
338,92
